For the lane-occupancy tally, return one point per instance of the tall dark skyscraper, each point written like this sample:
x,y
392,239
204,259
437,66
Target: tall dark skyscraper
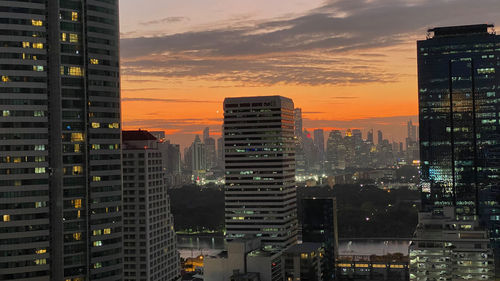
x,y
60,155
458,116
260,193
380,138
319,224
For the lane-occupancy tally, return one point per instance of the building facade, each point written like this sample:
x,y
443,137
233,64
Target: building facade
x,y
448,247
458,120
60,155
150,246
259,158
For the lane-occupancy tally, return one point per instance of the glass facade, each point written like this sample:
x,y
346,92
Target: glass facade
x,y
459,104
61,101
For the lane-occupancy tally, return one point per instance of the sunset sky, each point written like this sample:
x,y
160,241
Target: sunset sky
x,y
346,63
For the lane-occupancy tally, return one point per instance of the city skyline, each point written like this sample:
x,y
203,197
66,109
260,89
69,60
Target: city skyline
x,y
197,47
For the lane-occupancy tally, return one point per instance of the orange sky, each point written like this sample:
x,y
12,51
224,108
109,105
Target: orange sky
x,y
346,63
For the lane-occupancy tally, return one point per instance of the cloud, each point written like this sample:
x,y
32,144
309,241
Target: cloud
x,y
167,100
165,20
312,49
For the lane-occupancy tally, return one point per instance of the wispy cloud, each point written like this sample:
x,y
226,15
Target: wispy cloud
x,y
165,20
313,49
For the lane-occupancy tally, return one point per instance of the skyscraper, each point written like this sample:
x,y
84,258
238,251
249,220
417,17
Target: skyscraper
x,y
150,246
459,146
380,138
260,191
60,153
319,142
298,122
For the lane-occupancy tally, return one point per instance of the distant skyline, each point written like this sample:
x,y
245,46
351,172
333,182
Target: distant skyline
x,y
346,63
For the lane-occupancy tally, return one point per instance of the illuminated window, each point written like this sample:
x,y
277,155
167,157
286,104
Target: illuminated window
x,y
6,113
17,183
39,204
36,22
41,251
40,147
73,38
77,236
77,148
114,125
97,265
64,37
107,231
38,45
40,170
96,125
76,137
5,78
37,67
78,214
6,217
74,16
94,61
40,261
75,71
77,203
26,44
96,178
39,158
77,170
97,243
96,146
39,113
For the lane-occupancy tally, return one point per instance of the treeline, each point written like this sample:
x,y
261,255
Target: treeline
x,y
362,211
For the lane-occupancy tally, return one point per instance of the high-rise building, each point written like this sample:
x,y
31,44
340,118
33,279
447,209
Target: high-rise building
x,y
198,158
412,131
459,148
60,156
335,151
150,246
380,137
319,143
220,152
319,225
298,122
260,190
206,134
369,136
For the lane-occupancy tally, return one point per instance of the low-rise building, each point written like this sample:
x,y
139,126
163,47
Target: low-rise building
x,y
303,262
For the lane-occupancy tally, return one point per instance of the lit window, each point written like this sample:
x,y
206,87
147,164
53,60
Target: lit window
x,y
38,45
77,170
96,178
97,265
39,113
37,68
40,170
96,125
64,37
6,113
39,158
77,148
39,204
77,203
77,236
73,38
40,147
6,217
26,44
36,22
41,251
40,261
94,61
76,137
5,78
74,16
97,243
107,231
75,71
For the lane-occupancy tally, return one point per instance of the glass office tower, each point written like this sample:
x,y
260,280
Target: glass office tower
x,y
459,105
60,157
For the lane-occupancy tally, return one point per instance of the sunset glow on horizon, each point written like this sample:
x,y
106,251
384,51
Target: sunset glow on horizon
x,y
347,64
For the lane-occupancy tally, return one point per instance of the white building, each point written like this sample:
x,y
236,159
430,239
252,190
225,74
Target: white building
x,y
259,155
449,247
150,246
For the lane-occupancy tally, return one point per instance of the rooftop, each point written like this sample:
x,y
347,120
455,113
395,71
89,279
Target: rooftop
x,y
138,135
450,31
306,247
